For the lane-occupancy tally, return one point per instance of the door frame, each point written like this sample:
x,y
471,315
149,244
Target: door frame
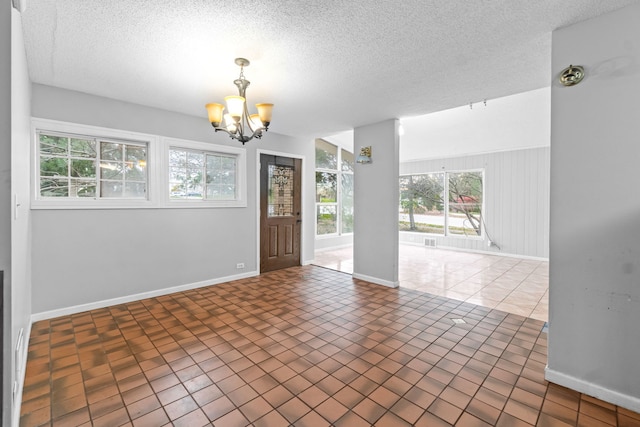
x,y
305,215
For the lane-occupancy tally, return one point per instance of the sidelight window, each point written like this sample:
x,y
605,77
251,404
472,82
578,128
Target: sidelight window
x,y
334,189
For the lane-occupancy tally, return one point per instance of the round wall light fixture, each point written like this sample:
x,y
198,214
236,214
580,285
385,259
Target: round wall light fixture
x,y
572,75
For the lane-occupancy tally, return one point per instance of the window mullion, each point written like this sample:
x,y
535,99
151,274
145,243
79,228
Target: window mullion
x,y
124,170
68,165
446,203
99,169
339,193
205,184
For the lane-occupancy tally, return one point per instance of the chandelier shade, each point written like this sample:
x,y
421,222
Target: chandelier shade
x,y
237,121
215,113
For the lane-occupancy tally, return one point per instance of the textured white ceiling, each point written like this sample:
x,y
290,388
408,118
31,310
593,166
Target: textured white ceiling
x,y
328,65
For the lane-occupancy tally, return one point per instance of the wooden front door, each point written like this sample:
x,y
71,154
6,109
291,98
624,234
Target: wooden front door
x,y
279,212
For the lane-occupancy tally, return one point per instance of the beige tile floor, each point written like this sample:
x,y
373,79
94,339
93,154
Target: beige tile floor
x,y
515,285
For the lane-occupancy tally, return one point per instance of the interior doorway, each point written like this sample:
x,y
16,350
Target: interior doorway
x,y
280,212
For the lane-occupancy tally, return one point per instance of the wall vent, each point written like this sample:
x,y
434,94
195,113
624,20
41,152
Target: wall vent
x,y
431,243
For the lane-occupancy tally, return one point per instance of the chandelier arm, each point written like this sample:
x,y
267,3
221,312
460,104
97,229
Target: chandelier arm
x,y
257,134
247,117
240,129
223,130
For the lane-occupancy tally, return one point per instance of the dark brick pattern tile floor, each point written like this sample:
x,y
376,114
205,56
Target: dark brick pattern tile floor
x,y
304,346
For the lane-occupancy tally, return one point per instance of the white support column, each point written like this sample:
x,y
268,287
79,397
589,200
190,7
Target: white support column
x,y
375,243
594,265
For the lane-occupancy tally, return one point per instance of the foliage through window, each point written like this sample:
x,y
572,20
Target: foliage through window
x,y
334,189
75,167
201,175
442,203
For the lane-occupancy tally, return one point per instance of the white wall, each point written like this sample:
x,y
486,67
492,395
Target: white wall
x,y
21,218
594,308
508,123
376,192
516,201
5,200
85,256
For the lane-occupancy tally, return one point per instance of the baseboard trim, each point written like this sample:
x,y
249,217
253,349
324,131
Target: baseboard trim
x,y
629,402
334,248
502,254
135,297
376,280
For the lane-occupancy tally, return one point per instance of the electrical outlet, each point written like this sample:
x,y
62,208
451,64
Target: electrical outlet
x,y
240,265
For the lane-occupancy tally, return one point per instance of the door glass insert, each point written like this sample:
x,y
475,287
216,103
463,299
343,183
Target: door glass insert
x,y
280,189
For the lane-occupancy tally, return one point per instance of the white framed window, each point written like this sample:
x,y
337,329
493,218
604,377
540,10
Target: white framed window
x,y
443,203
204,175
79,166
87,167
334,189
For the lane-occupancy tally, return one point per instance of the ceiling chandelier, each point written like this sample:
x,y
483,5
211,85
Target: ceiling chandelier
x,y
236,121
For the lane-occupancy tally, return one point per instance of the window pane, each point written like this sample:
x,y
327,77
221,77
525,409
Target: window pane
x,y
194,192
221,177
465,219
228,163
347,203
194,175
54,187
136,154
186,171
326,187
53,144
54,166
177,174
280,190
326,155
135,172
220,170
177,159
465,187
347,161
82,188
110,189
135,190
111,151
83,168
422,203
327,219
136,158
177,184
83,148
111,170
465,203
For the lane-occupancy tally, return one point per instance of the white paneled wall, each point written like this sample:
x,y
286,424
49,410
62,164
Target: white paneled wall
x,y
516,200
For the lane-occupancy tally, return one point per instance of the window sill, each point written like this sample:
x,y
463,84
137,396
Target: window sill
x,y
91,204
442,236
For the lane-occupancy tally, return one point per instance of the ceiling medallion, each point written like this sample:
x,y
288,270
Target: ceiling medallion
x,y
236,121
